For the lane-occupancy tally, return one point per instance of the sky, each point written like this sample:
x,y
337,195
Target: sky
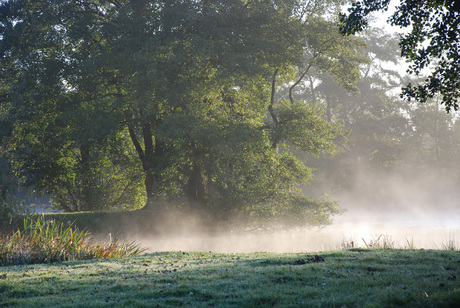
x,y
382,17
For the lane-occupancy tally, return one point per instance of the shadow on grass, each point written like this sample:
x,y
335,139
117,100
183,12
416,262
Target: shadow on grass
x,y
372,278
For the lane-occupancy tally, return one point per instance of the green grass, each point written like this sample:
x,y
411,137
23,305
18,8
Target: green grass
x,y
353,278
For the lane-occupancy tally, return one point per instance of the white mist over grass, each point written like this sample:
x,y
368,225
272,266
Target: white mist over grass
x,y
331,238
409,209
403,229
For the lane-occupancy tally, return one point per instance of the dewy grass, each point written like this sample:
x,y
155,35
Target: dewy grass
x,y
354,278
45,241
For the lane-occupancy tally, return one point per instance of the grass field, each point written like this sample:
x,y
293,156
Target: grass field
x,y
353,278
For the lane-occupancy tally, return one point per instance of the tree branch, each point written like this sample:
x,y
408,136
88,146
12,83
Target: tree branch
x,y
272,99
291,88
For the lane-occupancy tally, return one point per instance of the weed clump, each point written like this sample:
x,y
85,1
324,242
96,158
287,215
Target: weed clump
x,y
45,241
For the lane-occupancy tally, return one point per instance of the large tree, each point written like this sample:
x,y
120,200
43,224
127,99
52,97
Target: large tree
x,y
431,43
373,115
191,83
59,141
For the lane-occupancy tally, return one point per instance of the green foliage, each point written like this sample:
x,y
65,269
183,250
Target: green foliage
x,y
10,205
303,126
80,177
428,44
59,143
8,182
6,213
180,96
295,210
376,123
45,241
334,54
433,133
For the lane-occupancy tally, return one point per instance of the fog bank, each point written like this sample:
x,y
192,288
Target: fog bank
x,y
406,209
357,228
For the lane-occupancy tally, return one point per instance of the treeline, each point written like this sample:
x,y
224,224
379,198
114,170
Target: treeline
x,y
396,151
220,107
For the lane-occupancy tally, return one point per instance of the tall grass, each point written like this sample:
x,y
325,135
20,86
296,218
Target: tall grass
x,y
45,241
451,244
382,241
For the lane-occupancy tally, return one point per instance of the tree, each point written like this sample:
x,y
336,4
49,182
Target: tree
x,y
58,142
373,116
430,44
432,133
191,83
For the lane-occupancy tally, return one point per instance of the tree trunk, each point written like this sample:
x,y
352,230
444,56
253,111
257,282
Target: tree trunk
x,y
150,191
196,188
150,156
328,109
86,192
153,161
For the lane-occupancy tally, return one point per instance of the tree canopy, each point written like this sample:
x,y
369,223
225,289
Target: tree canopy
x,y
181,95
431,43
395,151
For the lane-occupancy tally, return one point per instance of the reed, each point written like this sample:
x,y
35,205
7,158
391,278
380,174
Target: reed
x,y
45,241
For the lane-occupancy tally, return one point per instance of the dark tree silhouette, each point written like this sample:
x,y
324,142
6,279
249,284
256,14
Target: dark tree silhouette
x,y
432,42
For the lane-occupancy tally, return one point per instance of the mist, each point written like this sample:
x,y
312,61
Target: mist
x,y
401,209
355,228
